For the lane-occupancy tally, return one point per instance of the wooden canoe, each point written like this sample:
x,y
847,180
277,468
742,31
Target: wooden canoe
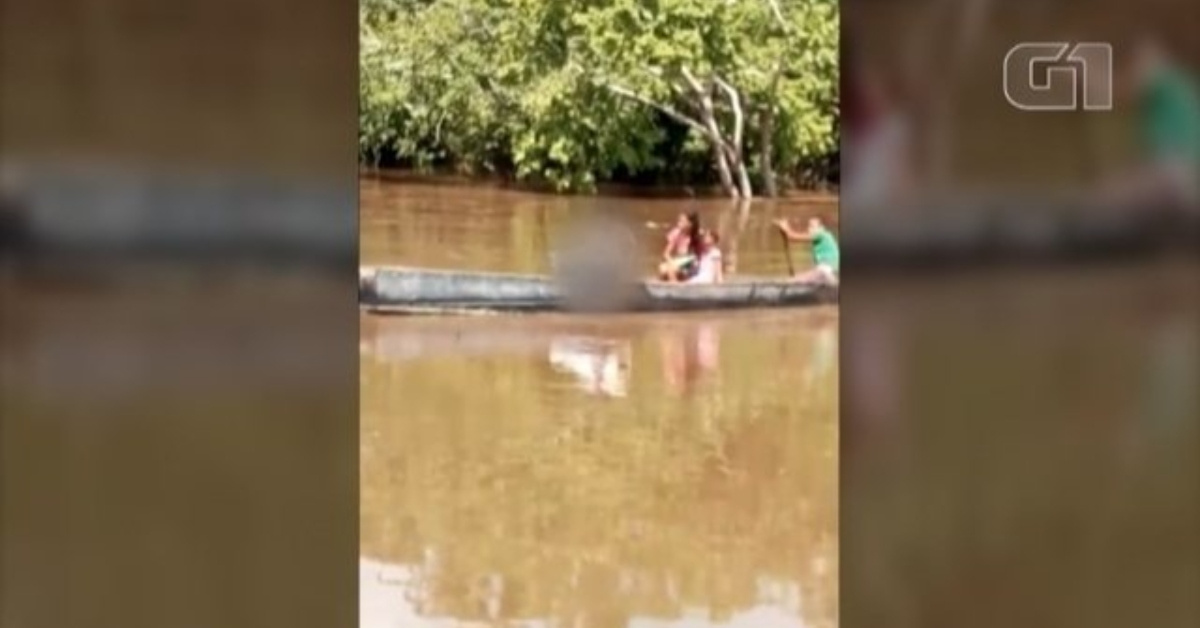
x,y
415,290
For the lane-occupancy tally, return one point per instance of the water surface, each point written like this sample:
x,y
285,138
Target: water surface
x,y
483,228
553,470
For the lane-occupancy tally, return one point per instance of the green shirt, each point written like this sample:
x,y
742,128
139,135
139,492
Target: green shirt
x,y
1169,116
825,250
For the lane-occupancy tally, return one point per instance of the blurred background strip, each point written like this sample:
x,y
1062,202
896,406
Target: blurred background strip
x,y
941,170
203,131
178,382
1019,437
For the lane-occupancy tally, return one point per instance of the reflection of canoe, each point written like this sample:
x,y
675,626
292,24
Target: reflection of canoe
x,y
97,209
410,289
1001,231
400,345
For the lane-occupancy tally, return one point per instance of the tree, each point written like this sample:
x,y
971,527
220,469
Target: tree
x,y
542,89
712,65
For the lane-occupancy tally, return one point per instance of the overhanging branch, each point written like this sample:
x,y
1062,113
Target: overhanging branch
x,y
695,84
774,5
671,112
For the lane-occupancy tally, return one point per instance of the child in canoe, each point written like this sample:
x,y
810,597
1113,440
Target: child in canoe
x,y
681,256
710,268
825,251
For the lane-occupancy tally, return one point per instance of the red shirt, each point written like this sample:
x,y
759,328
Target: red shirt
x,y
679,242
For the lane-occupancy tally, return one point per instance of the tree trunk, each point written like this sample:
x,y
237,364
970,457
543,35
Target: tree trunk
x,y
722,165
767,152
720,150
727,158
744,187
735,149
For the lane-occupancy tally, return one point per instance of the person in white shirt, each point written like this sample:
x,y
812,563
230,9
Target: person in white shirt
x,y
711,266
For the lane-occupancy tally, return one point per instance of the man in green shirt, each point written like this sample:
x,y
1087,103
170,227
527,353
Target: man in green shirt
x,y
825,251
1167,115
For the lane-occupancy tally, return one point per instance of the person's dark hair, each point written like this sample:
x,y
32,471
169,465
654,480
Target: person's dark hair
x,y
695,235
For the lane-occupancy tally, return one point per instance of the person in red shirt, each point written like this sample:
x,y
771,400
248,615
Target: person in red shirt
x,y
681,256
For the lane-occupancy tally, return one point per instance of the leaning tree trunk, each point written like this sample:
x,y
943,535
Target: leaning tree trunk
x,y
725,161
723,171
727,154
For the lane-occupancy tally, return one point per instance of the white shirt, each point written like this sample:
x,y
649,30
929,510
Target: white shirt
x,y
710,266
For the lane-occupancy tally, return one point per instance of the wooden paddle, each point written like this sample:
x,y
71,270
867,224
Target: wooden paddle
x,y
787,251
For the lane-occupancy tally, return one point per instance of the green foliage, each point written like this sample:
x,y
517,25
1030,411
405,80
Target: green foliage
x,y
523,87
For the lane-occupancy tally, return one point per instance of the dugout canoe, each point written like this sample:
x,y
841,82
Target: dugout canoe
x,y
958,235
85,212
416,290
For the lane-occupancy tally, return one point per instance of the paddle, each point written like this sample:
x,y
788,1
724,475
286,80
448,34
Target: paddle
x,y
787,251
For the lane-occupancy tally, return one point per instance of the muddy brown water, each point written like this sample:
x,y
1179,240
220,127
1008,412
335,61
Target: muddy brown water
x,y
482,228
554,470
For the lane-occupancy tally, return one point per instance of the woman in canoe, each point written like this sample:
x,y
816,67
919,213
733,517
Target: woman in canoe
x,y
825,251
681,256
710,268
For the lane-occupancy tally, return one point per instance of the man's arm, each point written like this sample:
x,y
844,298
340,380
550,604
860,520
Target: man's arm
x,y
791,233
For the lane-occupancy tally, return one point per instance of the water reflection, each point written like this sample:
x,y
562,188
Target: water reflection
x,y
824,354
1085,382
390,597
593,472
600,367
79,350
1171,372
875,365
531,471
688,355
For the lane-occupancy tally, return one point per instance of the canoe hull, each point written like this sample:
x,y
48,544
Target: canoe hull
x,y
418,290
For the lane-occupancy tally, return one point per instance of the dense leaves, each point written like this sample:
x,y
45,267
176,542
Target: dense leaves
x,y
572,93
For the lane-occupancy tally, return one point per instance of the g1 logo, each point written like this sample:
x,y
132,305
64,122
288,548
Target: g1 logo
x,y
1066,64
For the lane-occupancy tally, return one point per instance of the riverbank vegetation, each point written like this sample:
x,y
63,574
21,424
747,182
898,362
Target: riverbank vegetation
x,y
737,93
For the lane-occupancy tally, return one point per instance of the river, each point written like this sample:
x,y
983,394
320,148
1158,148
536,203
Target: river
x,y
553,470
